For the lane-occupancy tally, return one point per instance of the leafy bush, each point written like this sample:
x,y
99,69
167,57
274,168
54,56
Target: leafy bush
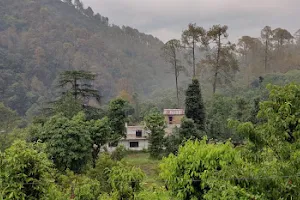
x,y
187,174
79,186
101,172
26,172
119,153
125,180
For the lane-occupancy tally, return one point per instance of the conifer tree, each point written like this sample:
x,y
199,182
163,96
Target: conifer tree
x,y
191,37
79,83
189,130
194,104
170,53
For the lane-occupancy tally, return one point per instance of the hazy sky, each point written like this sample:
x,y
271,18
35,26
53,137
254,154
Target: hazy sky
x,y
166,19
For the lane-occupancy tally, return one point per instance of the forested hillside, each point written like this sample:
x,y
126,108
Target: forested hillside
x,y
41,38
60,65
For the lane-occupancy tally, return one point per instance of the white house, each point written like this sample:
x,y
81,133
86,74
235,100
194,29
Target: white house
x,y
137,137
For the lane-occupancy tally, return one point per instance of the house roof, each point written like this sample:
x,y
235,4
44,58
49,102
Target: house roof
x,y
173,111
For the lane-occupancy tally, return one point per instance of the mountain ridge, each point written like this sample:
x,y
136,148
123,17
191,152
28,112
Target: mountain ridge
x,y
41,38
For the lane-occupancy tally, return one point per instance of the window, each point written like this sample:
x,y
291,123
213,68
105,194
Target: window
x,y
170,119
138,133
134,144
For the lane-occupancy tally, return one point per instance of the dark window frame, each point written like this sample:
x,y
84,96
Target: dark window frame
x,y
134,146
138,133
171,119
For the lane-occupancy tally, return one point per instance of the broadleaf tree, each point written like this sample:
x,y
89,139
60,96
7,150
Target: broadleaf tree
x,y
68,141
117,117
26,172
155,123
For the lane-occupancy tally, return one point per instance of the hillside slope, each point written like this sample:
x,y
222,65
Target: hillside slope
x,y
41,38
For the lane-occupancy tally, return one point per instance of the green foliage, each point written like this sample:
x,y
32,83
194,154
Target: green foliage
x,y
219,110
117,117
282,112
102,170
94,113
67,105
8,119
188,174
79,83
154,194
155,123
119,153
100,133
79,186
99,130
7,139
68,141
189,130
69,39
172,142
56,193
279,116
242,112
194,107
125,180
25,172
272,146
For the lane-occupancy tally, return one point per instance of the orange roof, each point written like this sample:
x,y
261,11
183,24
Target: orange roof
x,y
173,111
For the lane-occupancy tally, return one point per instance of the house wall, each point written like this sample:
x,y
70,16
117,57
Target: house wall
x,y
133,129
176,119
143,144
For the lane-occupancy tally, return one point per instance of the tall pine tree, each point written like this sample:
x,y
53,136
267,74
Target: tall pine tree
x,y
79,83
194,107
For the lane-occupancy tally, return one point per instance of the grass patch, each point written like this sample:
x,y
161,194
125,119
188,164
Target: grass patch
x,y
148,165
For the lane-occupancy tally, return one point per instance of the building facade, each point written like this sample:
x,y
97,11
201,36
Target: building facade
x,y
137,137
173,116
173,119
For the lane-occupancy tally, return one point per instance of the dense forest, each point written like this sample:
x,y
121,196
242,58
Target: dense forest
x,y
71,80
41,38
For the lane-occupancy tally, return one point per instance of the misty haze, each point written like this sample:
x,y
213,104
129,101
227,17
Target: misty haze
x,y
149,99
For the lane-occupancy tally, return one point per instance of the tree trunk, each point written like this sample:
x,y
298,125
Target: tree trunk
x,y
215,81
75,88
176,78
95,154
266,55
217,66
194,59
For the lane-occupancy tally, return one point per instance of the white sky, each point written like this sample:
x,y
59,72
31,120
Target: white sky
x,y
166,19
